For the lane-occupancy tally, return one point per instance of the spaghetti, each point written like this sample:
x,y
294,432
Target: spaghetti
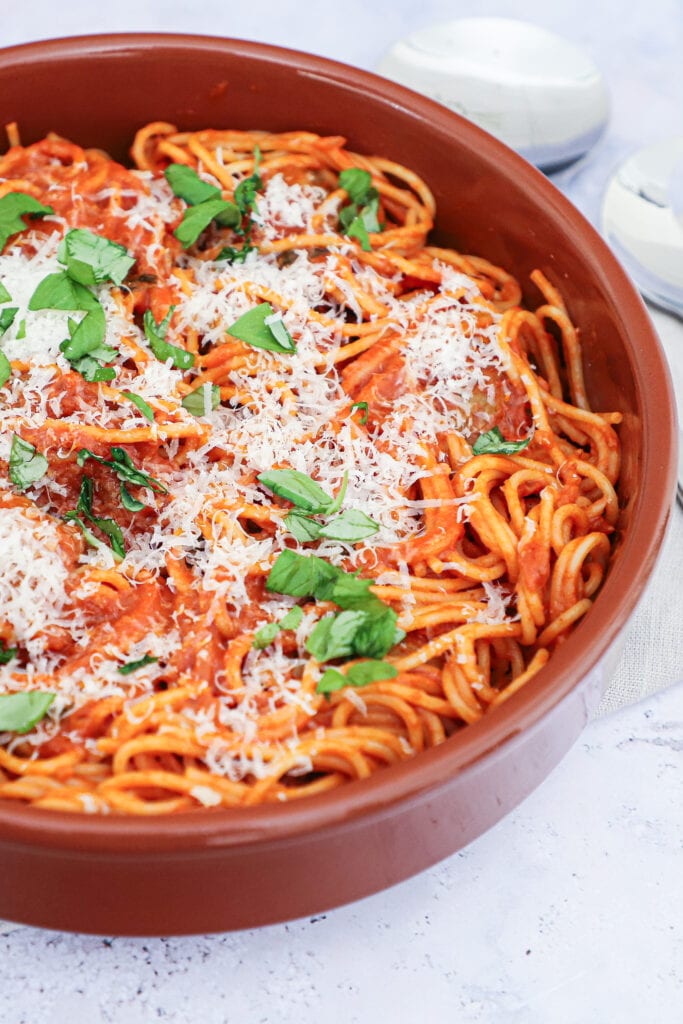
x,y
287,494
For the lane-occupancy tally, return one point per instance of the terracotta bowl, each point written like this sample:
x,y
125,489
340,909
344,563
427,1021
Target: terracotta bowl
x,y
209,871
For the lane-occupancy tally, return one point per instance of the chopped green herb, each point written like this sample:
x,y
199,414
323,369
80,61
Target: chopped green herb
x,y
352,525
361,674
162,349
493,443
197,218
358,222
91,259
19,712
252,329
187,185
365,409
362,214
60,291
21,330
6,653
5,369
132,666
205,202
266,634
141,404
4,294
196,401
245,193
84,509
86,338
302,576
124,467
26,464
128,501
341,494
299,488
302,527
373,633
233,255
358,184
334,635
7,316
84,348
13,206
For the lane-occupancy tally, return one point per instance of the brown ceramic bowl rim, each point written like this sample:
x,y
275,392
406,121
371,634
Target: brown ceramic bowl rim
x,y
406,782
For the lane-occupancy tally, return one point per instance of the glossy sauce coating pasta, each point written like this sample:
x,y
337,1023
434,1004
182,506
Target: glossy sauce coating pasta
x,y
404,358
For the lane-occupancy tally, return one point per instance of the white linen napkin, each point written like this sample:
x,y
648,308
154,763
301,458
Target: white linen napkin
x,y
653,654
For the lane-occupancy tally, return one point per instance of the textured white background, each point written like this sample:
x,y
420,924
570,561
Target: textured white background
x,y
570,910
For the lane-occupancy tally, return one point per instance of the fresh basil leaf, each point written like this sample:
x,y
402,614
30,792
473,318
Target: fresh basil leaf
x,y
493,443
252,329
90,538
302,527
195,402
19,712
369,214
141,404
340,495
92,370
365,672
21,330
351,526
5,369
360,674
91,259
115,534
7,316
311,576
358,184
162,349
4,294
197,218
357,229
6,653
333,636
26,464
59,291
365,409
13,206
301,575
362,214
187,185
84,504
330,681
87,337
349,591
377,634
297,487
266,634
128,501
235,255
131,666
107,526
124,467
375,630
292,619
245,193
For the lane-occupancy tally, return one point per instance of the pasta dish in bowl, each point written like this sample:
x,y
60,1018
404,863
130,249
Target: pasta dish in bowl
x,y
294,490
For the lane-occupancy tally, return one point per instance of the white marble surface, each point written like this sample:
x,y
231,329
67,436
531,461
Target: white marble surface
x,y
571,909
